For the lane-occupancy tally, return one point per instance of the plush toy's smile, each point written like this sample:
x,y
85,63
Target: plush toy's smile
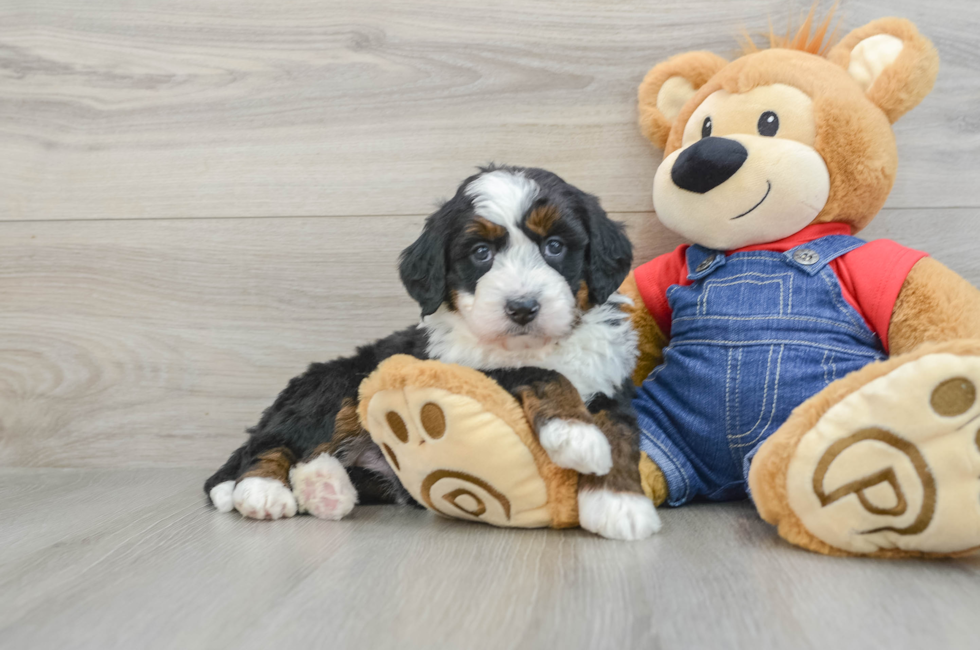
x,y
768,189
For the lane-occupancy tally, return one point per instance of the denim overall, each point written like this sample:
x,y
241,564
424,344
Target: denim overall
x,y
753,336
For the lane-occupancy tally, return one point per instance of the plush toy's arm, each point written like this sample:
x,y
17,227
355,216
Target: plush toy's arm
x,y
652,340
934,305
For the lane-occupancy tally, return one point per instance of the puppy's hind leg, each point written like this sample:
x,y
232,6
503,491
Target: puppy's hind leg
x,y
320,481
263,491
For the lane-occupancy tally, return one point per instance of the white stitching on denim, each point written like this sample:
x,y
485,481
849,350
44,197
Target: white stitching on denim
x,y
838,297
833,368
703,298
823,364
809,344
765,395
789,306
728,394
804,319
775,398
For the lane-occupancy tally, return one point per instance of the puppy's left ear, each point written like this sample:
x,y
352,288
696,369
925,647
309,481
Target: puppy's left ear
x,y
894,64
422,265
610,254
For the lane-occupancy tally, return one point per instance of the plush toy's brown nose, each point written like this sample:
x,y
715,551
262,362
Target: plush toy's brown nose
x,y
707,163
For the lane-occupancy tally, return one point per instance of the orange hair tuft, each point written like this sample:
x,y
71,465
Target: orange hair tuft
x,y
809,37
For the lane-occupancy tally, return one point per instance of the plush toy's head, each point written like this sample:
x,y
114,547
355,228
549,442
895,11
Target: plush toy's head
x,y
760,147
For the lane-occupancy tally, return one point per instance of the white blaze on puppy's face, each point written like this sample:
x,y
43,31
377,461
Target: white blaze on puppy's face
x,y
518,272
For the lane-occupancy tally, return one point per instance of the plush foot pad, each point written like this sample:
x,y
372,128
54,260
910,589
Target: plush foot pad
x,y
576,445
895,465
221,496
263,498
617,515
322,488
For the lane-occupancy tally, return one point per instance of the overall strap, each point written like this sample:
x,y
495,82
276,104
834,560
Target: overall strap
x,y
702,261
813,256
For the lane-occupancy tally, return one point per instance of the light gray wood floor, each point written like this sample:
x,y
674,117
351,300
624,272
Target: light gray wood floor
x,y
135,559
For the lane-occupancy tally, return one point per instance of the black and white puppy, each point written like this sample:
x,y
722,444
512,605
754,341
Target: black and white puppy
x,y
516,275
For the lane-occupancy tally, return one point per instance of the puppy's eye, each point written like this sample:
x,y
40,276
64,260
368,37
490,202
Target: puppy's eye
x,y
481,253
554,247
768,124
706,127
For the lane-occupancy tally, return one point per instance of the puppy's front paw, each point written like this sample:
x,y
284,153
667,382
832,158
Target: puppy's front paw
x,y
576,445
263,498
322,488
617,515
221,496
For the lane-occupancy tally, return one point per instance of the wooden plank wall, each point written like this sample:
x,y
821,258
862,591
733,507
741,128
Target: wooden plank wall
x,y
199,197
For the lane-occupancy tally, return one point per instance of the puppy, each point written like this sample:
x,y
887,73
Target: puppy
x,y
516,276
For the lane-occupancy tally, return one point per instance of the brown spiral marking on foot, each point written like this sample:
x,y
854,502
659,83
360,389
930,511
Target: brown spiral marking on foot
x,y
440,474
884,476
433,420
953,397
397,425
451,497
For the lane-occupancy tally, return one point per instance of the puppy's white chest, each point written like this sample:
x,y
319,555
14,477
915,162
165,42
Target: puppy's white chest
x,y
596,357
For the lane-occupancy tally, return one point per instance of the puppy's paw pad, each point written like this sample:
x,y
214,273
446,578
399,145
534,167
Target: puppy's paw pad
x,y
617,515
323,488
576,445
221,496
259,497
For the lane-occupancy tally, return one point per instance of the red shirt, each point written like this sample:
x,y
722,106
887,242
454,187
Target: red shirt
x,y
870,277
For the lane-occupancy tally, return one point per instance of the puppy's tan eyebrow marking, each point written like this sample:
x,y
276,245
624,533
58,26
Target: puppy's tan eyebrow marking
x,y
542,219
486,229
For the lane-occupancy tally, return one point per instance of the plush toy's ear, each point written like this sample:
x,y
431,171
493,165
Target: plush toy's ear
x,y
668,86
894,64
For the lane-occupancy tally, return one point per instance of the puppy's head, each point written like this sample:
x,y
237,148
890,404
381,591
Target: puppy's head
x,y
518,254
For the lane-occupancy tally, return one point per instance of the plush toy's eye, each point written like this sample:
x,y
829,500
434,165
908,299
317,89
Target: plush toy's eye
x,y
706,127
768,124
481,254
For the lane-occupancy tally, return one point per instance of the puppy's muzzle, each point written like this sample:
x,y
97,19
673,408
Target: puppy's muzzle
x,y
523,310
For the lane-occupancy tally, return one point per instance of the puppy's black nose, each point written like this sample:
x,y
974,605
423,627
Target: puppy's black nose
x,y
522,311
708,163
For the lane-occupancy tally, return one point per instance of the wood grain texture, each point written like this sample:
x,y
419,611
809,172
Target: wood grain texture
x,y
106,559
158,342
201,108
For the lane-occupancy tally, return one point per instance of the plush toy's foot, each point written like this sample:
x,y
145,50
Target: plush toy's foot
x,y
263,498
460,444
884,462
323,488
617,515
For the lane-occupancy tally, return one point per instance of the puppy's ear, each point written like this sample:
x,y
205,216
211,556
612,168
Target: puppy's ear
x,y
422,265
610,252
894,64
668,86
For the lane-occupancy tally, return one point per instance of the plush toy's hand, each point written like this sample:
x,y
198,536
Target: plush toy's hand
x,y
651,340
462,446
576,445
